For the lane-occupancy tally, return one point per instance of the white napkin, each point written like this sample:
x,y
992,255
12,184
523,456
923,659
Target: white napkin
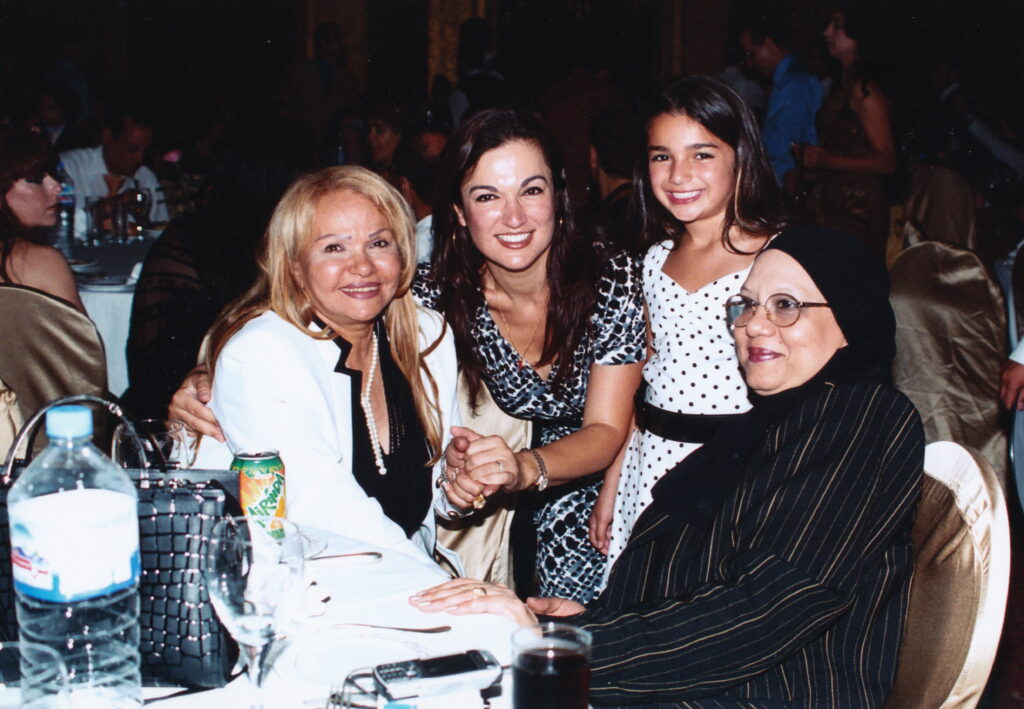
x,y
133,277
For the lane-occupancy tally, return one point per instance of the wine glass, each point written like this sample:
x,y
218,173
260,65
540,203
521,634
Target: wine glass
x,y
163,440
253,571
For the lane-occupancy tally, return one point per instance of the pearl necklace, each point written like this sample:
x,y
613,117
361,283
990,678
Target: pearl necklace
x,y
367,404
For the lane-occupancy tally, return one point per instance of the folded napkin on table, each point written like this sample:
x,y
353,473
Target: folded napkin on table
x,y
133,277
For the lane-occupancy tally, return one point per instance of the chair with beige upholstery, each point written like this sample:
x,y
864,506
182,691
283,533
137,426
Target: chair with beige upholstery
x,y
483,540
961,577
48,349
941,205
951,346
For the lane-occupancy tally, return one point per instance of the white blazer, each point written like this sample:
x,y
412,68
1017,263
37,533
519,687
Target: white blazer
x,y
275,387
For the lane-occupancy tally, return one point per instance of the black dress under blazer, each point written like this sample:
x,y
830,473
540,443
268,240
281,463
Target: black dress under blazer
x,y
793,591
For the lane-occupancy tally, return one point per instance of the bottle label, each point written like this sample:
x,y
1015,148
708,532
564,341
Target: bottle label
x,y
74,545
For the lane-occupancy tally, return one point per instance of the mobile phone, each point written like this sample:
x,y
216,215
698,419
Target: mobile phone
x,y
474,669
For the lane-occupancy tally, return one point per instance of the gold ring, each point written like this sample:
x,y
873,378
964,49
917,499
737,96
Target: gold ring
x,y
479,591
479,501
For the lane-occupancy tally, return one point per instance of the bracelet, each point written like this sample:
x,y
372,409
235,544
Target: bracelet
x,y
543,479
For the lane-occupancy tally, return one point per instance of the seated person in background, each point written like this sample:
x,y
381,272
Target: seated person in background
x,y
612,154
28,201
773,566
203,261
413,168
328,359
385,126
115,164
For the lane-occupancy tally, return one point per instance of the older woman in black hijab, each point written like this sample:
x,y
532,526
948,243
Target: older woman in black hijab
x,y
773,567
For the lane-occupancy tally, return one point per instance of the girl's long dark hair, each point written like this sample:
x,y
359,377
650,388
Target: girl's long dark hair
x,y
23,154
757,206
457,262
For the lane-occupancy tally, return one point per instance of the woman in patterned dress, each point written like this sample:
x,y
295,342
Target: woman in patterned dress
x,y
710,203
857,147
554,330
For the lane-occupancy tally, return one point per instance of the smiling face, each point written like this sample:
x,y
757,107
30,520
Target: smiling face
x,y
34,201
351,266
692,172
509,206
774,358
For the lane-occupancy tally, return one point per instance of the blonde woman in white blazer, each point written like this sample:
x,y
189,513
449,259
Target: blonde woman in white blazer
x,y
328,360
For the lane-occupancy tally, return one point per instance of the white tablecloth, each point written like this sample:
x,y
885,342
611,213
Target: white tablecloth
x,y
323,651
107,297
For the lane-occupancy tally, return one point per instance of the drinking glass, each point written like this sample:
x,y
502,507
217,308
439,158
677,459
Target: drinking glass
x,y
138,202
163,440
39,674
97,211
551,667
253,569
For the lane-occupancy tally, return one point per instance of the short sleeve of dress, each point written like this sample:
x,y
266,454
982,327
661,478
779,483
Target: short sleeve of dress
x,y
424,288
620,332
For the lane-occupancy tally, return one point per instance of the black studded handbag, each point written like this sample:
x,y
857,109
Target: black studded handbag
x,y
181,640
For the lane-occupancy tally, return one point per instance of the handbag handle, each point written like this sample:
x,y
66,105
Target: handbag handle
x,y
32,424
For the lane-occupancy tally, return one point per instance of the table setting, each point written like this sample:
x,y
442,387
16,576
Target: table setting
x,y
106,271
353,612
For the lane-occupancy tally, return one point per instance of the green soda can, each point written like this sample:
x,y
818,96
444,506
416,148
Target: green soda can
x,y
260,483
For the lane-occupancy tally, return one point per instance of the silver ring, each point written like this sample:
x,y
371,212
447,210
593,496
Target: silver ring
x,y
479,591
501,466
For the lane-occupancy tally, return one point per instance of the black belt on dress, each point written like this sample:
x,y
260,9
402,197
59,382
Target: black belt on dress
x,y
673,426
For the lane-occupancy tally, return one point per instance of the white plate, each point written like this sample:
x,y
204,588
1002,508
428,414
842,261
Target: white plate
x,y
80,266
324,659
107,287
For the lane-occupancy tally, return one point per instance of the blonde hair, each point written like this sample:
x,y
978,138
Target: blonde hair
x,y
276,288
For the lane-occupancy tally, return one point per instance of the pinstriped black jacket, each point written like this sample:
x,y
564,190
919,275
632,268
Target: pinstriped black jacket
x,y
794,593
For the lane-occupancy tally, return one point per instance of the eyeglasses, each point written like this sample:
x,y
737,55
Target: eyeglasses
x,y
782,309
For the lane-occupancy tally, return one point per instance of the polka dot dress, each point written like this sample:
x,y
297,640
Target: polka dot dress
x,y
693,370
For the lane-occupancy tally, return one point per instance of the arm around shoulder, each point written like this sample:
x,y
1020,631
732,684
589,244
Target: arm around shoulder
x,y
273,388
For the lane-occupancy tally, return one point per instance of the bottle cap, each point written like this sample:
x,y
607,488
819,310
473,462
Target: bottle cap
x,y
68,422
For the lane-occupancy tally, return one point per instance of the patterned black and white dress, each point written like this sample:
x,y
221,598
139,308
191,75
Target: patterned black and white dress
x,y
693,370
567,564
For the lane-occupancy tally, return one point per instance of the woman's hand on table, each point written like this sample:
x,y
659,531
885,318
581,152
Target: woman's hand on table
x,y
560,607
189,405
469,596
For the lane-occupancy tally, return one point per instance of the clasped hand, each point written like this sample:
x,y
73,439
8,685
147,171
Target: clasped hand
x,y
478,466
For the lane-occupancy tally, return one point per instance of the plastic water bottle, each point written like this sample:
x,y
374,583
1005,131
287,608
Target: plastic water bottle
x,y
75,555
64,230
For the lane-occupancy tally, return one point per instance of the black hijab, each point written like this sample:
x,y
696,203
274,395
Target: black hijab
x,y
855,283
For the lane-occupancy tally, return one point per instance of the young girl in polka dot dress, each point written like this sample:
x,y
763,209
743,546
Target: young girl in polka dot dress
x,y
710,202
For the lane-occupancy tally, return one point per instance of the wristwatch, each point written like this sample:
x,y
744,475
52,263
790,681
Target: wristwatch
x,y
543,479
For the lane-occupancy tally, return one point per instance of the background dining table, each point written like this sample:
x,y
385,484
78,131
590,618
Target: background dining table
x,y
106,276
